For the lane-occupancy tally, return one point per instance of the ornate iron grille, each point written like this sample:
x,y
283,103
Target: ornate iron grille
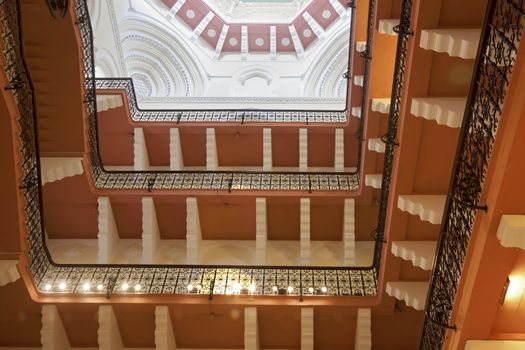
x,y
153,279
502,33
390,138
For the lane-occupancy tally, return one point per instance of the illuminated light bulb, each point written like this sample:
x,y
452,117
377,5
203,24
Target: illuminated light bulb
x,y
86,287
236,287
324,289
62,285
251,288
100,287
125,287
199,287
289,289
190,287
310,290
137,287
47,287
274,288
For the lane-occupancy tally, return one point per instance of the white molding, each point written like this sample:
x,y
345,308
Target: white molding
x,y
376,145
251,329
299,49
356,112
360,46
338,7
363,336
176,157
150,231
107,102
381,105
386,26
339,150
8,272
413,293
140,151
511,231
177,6
303,149
428,207
305,231
267,149
202,24
273,42
193,230
55,169
374,180
244,42
444,110
212,162
349,233
457,42
307,328
261,231
420,253
53,336
221,41
316,27
164,335
494,345
108,332
107,238
359,80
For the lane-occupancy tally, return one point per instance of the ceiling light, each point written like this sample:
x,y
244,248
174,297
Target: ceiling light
x,y
100,287
251,288
62,285
275,289
310,290
199,287
190,287
47,287
324,289
236,287
137,287
125,287
289,289
86,287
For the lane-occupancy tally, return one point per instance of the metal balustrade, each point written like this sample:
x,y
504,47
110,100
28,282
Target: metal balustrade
x,y
503,30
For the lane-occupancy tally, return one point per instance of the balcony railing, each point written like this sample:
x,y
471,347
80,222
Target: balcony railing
x,y
503,29
50,277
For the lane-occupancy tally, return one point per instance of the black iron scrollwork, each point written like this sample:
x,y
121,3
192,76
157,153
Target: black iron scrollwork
x,y
58,8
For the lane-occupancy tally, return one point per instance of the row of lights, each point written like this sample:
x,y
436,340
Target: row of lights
x,y
236,288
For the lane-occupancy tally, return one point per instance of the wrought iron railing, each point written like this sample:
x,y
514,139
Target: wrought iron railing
x,y
503,29
390,138
213,180
240,116
153,279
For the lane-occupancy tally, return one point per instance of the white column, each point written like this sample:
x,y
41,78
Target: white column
x,y
244,42
349,232
164,336
307,328
140,151
338,7
386,26
339,150
150,231
316,28
457,42
212,163
52,334
376,145
193,230
303,149
428,207
374,180
273,42
107,102
203,24
108,237
221,41
444,110
108,331
8,272
54,169
381,105
511,231
251,330
305,231
299,49
261,234
176,159
363,336
267,149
